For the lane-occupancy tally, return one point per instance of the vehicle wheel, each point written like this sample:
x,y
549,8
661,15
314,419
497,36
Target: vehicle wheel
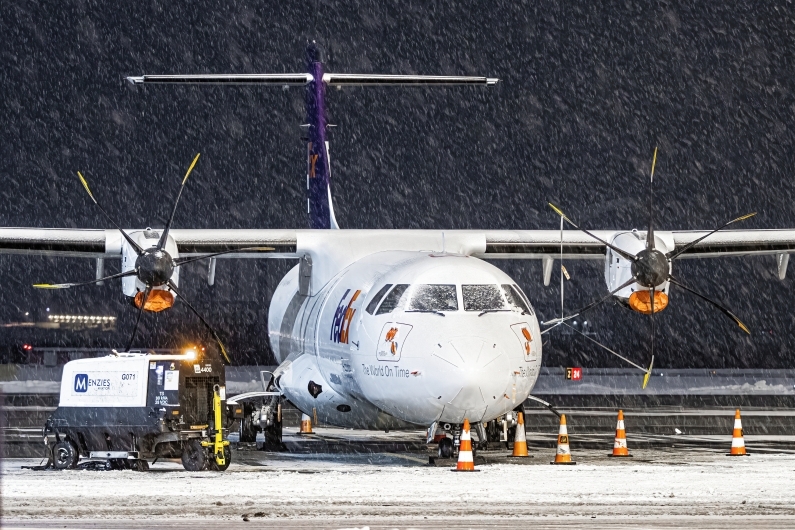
x,y
116,464
446,448
248,431
194,456
213,466
64,455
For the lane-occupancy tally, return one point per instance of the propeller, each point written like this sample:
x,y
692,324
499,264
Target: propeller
x,y
650,268
154,266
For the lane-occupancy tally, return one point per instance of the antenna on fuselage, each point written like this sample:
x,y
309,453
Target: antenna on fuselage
x,y
318,174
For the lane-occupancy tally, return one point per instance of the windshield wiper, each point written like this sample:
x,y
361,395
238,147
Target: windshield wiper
x,y
425,311
491,311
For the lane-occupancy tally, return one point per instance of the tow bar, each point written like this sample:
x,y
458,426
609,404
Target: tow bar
x,y
219,443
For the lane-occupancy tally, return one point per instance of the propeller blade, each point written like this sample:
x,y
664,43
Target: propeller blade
x,y
138,320
558,321
133,244
646,378
717,305
173,287
605,347
648,373
694,243
182,261
650,233
164,235
624,254
70,285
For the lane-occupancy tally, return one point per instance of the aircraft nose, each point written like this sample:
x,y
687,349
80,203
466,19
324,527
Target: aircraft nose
x,y
473,373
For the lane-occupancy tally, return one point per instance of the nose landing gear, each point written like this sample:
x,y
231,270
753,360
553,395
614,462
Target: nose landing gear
x,y
450,439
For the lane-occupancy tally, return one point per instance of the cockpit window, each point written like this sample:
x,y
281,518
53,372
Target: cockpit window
x,y
524,297
377,298
392,300
515,299
433,297
482,298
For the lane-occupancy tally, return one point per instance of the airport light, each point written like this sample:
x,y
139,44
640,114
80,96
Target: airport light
x,y
81,319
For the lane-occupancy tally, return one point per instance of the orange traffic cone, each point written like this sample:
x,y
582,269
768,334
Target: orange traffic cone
x,y
520,440
738,442
563,456
466,462
620,445
306,425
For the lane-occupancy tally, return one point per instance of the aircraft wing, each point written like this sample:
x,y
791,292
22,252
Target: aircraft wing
x,y
487,244
574,244
332,250
99,243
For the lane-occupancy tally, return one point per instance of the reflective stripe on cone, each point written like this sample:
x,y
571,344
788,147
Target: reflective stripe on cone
x,y
520,440
563,455
738,442
306,424
466,461
620,444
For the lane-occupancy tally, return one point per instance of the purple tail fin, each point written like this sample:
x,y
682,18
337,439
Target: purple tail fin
x,y
318,166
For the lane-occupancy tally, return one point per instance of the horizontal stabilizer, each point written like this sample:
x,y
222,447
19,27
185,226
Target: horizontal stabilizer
x,y
303,79
225,79
387,80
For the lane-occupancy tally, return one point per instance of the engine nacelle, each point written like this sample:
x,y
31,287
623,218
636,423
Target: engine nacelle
x,y
148,238
619,270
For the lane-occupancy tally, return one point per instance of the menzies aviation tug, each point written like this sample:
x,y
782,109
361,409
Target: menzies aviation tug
x,y
386,329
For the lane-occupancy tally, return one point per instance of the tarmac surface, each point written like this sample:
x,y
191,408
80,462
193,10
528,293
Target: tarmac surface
x,y
355,479
678,477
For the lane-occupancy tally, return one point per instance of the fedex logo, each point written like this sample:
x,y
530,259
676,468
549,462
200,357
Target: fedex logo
x,y
81,382
343,316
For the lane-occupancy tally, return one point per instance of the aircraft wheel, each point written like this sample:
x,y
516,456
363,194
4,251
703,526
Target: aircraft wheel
x,y
213,465
248,431
446,448
64,455
194,456
511,436
493,431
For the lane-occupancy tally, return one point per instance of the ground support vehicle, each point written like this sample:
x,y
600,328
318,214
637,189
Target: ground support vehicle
x,y
132,408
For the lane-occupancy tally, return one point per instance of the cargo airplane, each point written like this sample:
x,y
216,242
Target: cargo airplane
x,y
388,329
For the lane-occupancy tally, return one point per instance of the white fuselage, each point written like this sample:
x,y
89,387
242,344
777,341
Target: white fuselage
x,y
360,355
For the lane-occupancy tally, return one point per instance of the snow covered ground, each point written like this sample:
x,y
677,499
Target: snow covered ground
x,y
658,487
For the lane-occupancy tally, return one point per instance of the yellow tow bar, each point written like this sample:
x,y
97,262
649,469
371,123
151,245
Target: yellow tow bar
x,y
219,443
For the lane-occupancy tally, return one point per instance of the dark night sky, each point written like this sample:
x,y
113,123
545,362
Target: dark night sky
x,y
587,91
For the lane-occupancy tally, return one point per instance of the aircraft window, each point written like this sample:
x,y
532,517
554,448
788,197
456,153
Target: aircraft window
x,y
392,300
482,298
524,297
515,300
377,298
433,297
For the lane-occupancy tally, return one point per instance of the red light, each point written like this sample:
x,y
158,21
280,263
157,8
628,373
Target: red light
x,y
27,347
